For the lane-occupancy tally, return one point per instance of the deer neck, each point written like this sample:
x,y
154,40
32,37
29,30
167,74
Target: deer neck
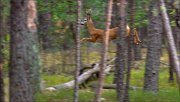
x,y
90,26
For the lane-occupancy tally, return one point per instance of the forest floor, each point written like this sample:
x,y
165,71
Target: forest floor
x,y
168,92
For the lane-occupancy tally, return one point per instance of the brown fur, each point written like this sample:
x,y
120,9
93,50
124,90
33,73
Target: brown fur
x,y
96,35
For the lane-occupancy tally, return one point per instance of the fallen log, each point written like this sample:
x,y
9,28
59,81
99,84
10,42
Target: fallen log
x,y
82,78
113,86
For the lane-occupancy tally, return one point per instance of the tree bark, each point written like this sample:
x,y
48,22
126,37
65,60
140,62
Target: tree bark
x,y
2,33
170,39
121,51
171,69
154,46
115,19
104,52
137,49
176,32
78,52
44,27
20,88
33,49
131,54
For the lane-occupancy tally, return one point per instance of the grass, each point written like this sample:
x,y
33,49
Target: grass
x,y
86,95
168,92
51,80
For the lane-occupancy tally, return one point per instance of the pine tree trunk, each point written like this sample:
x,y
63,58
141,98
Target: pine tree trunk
x,y
153,53
130,54
104,52
171,42
115,24
44,26
176,31
171,68
137,49
33,49
78,52
20,88
121,52
1,52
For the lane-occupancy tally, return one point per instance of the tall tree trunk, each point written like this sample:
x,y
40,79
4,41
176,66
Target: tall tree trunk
x,y
171,68
115,22
104,52
121,51
115,15
33,49
1,51
170,39
137,49
20,88
130,54
176,32
154,46
78,52
44,27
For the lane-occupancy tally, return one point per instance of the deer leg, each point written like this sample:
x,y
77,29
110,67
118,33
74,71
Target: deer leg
x,y
92,39
136,37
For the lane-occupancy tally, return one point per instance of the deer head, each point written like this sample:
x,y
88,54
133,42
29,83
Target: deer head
x,y
88,16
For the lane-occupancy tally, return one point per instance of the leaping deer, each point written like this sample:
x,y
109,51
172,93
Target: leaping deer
x,y
96,35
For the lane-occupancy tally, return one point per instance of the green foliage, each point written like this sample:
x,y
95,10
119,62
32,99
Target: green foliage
x,y
141,13
60,9
98,11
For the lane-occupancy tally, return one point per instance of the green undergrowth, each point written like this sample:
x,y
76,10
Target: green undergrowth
x,y
50,80
87,95
167,92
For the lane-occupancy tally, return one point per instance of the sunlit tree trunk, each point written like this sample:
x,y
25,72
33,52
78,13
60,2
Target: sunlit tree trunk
x,y
104,53
78,52
153,51
121,51
171,43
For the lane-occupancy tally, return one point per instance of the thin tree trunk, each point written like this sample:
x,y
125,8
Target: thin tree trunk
x,y
78,53
1,52
115,22
137,49
44,26
104,52
176,32
170,39
121,51
171,69
130,50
